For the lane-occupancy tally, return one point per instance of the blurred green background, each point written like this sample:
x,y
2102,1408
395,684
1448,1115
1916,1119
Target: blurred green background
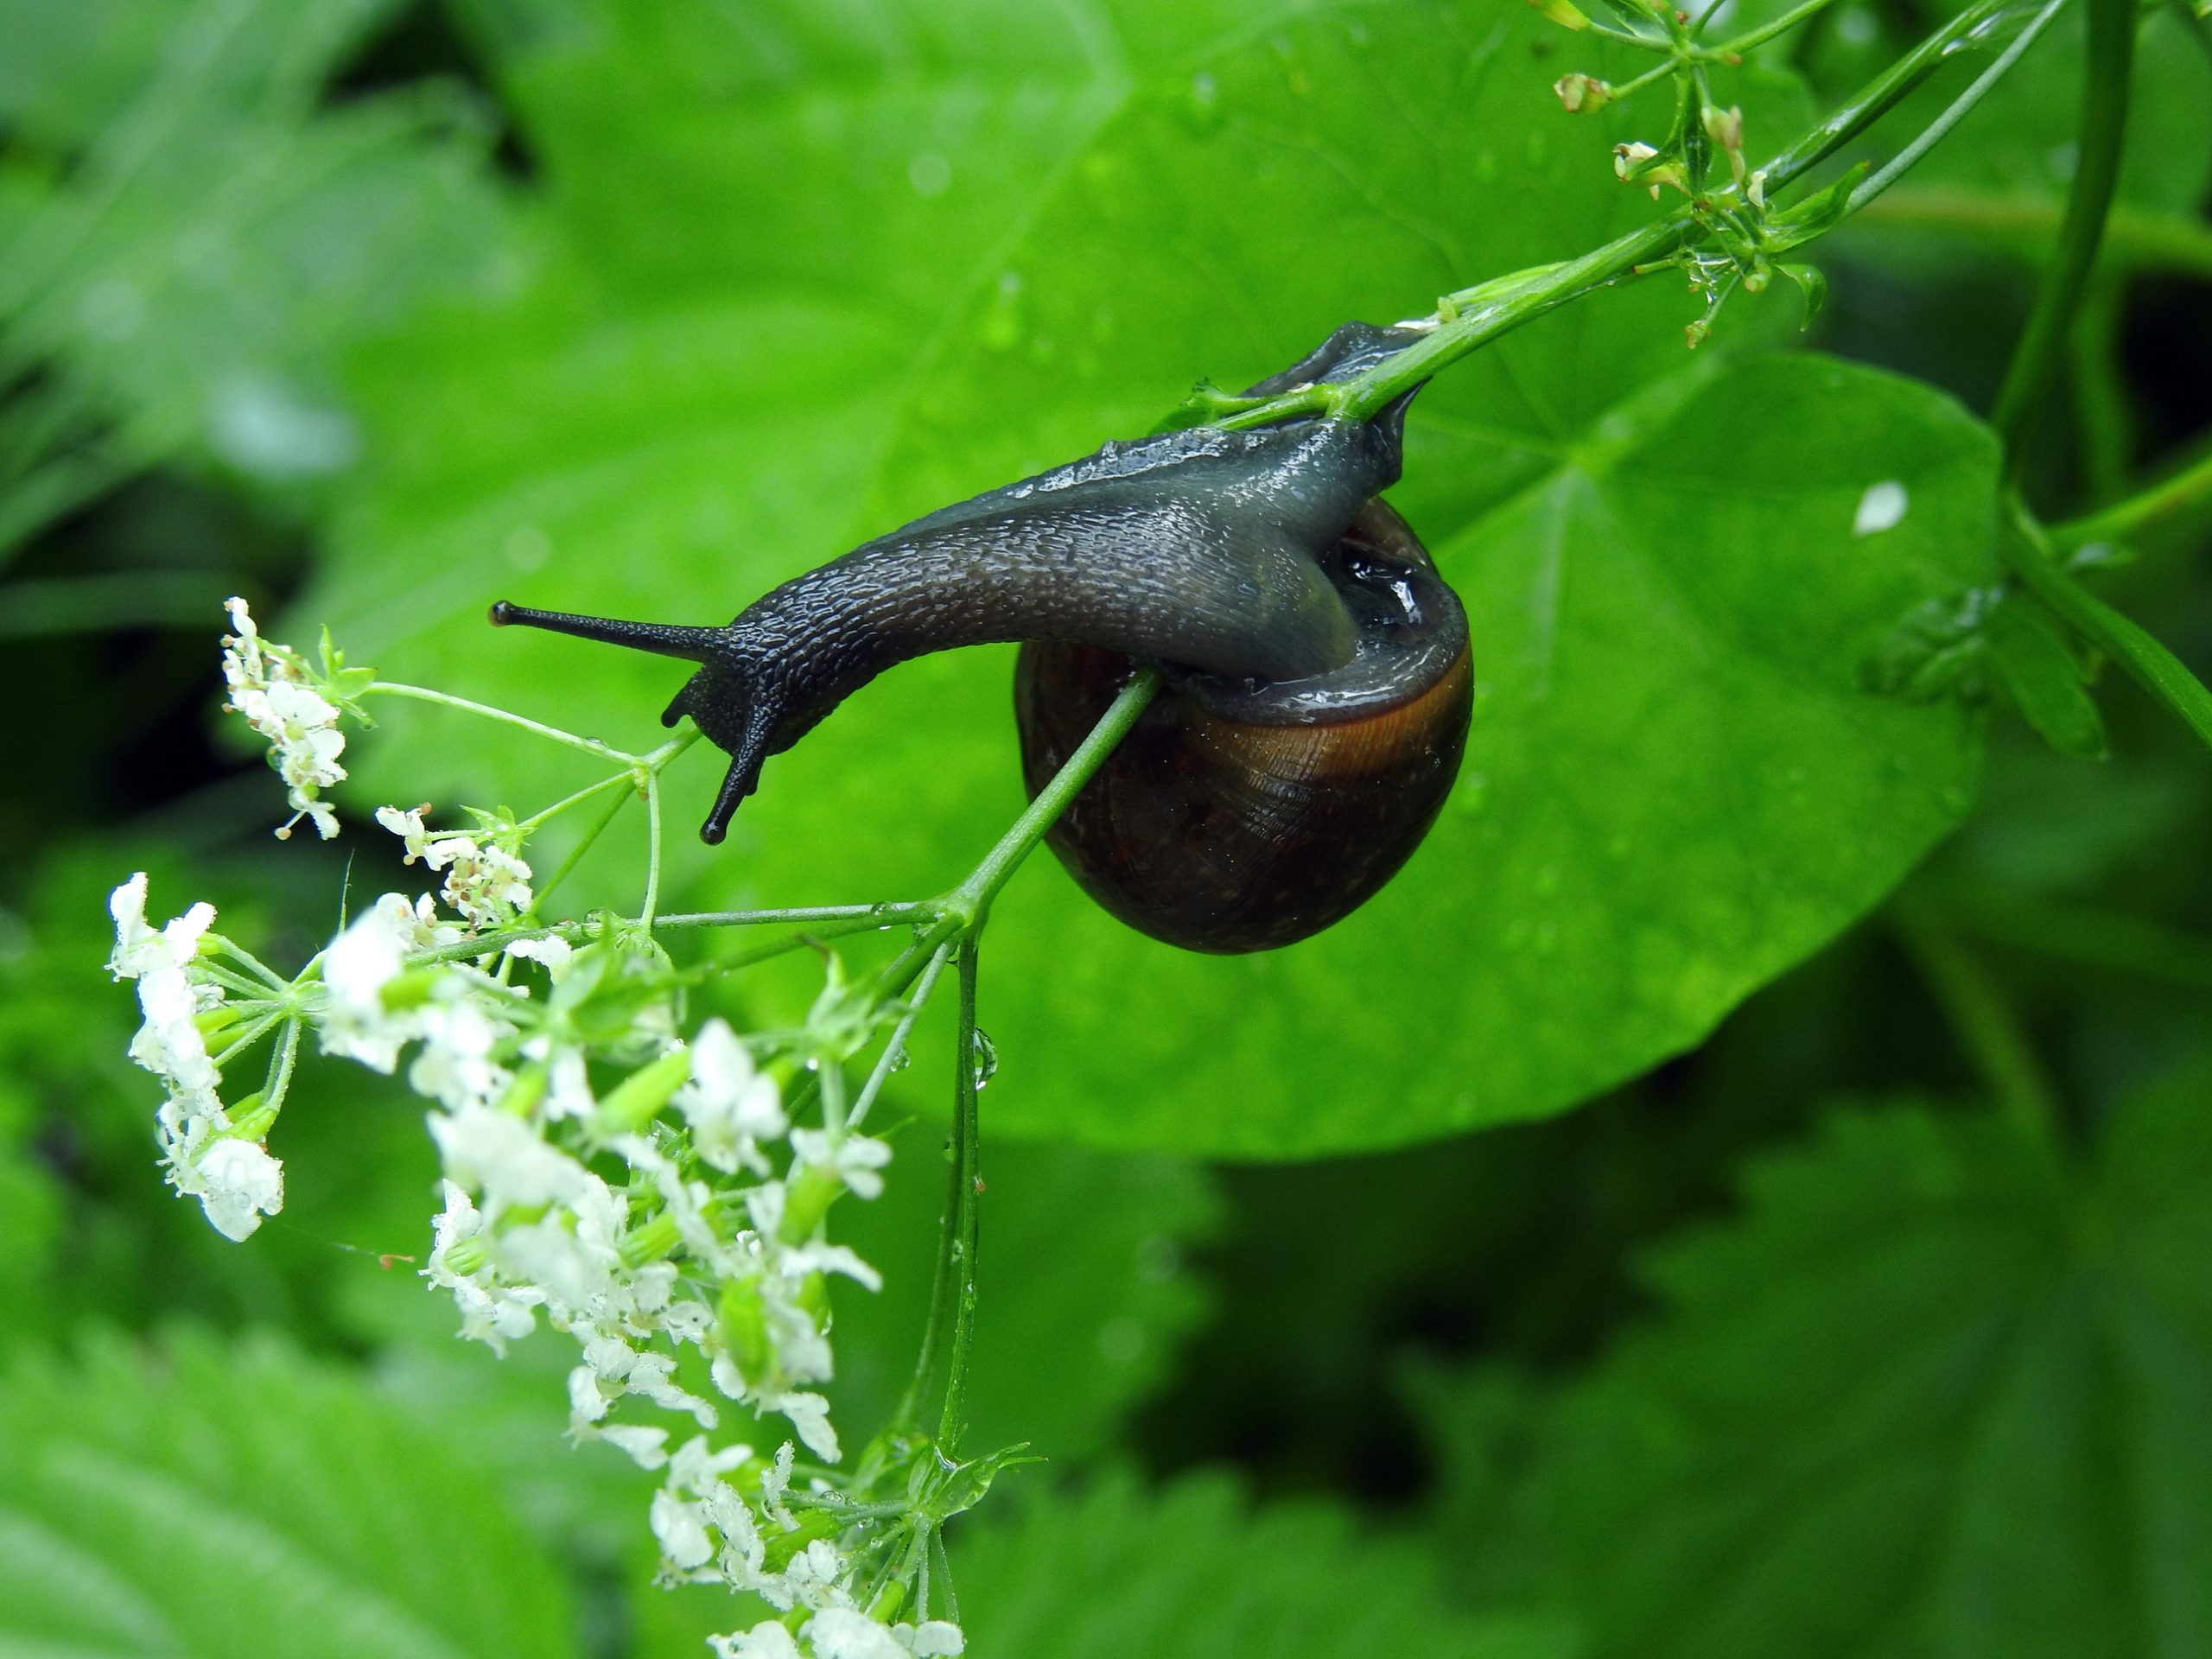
x,y
1745,1190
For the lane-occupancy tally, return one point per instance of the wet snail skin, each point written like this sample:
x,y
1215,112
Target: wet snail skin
x,y
1317,689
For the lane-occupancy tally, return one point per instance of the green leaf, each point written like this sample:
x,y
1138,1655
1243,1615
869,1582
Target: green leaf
x,y
1193,1570
183,1501
2044,680
204,265
1676,787
1934,1394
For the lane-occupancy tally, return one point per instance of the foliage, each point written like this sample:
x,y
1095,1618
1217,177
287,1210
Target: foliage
x,y
1807,799
165,1500
1937,1390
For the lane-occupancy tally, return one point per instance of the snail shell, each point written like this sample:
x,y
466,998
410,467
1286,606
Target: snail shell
x,y
1242,815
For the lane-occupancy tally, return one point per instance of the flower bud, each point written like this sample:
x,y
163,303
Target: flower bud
x,y
1579,93
637,1100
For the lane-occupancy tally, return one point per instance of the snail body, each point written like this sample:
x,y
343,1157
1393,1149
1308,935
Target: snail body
x,y
1316,693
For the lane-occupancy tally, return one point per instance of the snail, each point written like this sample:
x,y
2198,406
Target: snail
x,y
1316,688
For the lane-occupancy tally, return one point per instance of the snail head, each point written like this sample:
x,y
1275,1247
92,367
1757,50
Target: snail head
x,y
728,699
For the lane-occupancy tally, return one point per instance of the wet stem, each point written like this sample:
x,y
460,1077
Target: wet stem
x,y
948,929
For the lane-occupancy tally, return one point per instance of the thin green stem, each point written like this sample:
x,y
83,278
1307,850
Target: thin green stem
x,y
968,904
888,1062
589,839
653,851
254,1031
1974,26
1934,133
2107,70
1781,25
1477,316
280,1075
831,1076
2153,667
876,915
2168,498
238,953
506,718
1986,1028
231,980
967,1188
784,947
611,781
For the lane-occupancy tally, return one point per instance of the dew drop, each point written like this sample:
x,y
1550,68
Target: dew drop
x,y
986,1055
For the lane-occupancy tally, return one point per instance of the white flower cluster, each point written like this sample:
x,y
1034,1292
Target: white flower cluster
x,y
273,687
203,1153
649,1196
716,1180
485,882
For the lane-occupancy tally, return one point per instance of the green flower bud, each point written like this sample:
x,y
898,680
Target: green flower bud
x,y
639,1096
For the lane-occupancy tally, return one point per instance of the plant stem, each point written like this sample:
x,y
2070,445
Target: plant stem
x,y
967,1187
1932,134
1983,1021
590,837
887,1061
1781,25
2157,670
611,781
879,915
967,905
2107,66
1975,25
2190,487
505,717
1479,315
653,851
280,1075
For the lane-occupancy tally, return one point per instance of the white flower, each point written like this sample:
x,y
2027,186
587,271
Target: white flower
x,y
693,1496
815,1577
169,1043
841,1633
361,961
485,883
645,1445
844,1633
489,1313
408,827
728,1103
568,1085
553,950
766,1640
455,1066
681,1529
139,947
239,1184
271,687
810,1415
854,1158
500,1155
